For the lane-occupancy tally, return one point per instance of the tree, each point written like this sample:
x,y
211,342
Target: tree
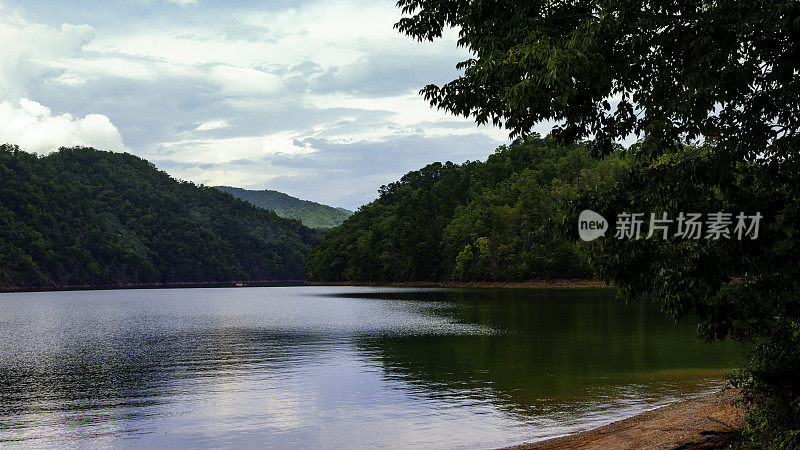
x,y
712,91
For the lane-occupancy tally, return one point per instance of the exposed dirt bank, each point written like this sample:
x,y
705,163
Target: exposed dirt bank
x,y
700,423
541,284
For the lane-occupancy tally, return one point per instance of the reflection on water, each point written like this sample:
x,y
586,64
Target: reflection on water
x,y
335,366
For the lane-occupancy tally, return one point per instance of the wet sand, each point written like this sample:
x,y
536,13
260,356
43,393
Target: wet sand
x,y
710,421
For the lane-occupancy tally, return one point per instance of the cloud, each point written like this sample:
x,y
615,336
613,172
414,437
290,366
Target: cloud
x,y
316,98
183,2
350,172
70,79
245,82
383,72
212,125
36,58
34,128
22,66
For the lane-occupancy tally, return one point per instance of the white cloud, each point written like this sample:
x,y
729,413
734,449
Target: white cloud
x,y
223,150
212,125
96,67
36,56
406,112
330,33
22,64
34,128
70,79
245,82
233,93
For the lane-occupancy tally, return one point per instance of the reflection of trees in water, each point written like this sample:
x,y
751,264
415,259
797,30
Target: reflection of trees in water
x,y
550,349
114,377
554,348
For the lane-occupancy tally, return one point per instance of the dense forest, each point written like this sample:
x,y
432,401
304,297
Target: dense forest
x,y
497,220
312,214
80,216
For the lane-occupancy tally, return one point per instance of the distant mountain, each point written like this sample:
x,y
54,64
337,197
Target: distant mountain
x,y
312,214
81,217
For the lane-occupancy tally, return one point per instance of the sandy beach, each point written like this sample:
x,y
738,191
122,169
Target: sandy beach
x,y
710,421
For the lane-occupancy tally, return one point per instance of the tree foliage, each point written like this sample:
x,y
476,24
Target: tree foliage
x,y
678,70
312,214
745,289
712,90
80,216
492,221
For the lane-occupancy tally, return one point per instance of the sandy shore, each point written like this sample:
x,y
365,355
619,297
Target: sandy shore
x,y
539,284
704,422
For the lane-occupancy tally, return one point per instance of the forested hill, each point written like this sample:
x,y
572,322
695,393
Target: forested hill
x,y
312,214
479,221
81,216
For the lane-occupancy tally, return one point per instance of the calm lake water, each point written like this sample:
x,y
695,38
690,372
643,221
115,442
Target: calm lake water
x,y
336,366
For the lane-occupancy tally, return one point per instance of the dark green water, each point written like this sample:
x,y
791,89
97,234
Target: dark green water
x,y
336,366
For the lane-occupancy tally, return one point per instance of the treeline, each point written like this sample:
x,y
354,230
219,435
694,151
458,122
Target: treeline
x,y
312,214
498,220
80,216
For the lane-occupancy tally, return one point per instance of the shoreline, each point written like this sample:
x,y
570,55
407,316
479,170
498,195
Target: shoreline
x,y
531,284
171,285
708,421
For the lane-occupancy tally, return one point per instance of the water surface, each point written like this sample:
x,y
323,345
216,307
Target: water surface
x,y
336,366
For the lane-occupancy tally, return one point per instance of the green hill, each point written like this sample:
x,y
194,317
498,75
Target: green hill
x,y
312,214
80,216
479,221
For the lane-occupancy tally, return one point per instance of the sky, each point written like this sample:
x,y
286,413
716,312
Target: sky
x,y
318,99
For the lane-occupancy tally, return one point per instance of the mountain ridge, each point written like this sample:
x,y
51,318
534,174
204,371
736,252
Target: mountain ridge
x,y
499,220
310,213
81,216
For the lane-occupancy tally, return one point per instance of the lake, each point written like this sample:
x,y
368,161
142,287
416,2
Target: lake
x,y
336,366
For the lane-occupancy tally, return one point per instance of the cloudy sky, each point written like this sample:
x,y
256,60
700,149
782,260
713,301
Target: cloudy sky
x,y
317,99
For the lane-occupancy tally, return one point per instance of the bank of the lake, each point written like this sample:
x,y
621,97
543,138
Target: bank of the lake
x,y
173,285
529,284
709,421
